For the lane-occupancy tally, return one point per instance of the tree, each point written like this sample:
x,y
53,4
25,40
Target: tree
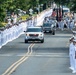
x,y
11,5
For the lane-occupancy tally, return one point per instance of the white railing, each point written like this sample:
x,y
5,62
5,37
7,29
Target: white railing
x,y
13,32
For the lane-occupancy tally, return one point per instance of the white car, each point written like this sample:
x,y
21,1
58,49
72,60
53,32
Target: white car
x,y
34,34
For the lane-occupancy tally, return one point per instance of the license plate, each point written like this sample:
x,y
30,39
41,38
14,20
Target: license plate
x,y
47,31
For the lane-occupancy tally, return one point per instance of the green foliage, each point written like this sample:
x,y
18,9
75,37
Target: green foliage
x,y
70,3
12,5
2,24
24,17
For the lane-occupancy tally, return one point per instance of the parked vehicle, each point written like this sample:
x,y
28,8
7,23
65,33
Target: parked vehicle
x,y
66,10
34,34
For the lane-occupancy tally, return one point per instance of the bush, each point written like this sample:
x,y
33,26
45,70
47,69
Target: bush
x,y
2,24
24,17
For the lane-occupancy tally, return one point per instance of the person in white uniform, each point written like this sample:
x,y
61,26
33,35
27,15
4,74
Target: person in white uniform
x,y
71,25
71,50
9,22
74,56
62,24
59,24
68,23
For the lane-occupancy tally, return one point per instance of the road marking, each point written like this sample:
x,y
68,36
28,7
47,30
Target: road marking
x,y
13,67
36,54
49,56
50,53
6,55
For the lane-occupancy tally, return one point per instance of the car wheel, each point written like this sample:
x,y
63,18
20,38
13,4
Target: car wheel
x,y
44,31
42,41
26,41
53,32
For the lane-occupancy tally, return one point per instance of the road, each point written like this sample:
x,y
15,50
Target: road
x,y
48,58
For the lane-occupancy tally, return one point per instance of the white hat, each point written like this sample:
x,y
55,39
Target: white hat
x,y
71,38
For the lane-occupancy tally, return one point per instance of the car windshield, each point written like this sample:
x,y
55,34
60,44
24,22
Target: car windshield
x,y
34,30
65,10
46,25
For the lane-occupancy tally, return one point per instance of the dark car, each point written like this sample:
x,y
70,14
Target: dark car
x,y
48,27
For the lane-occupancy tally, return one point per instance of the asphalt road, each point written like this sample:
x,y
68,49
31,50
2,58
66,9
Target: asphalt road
x,y
48,58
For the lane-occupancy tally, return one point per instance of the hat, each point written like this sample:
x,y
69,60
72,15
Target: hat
x,y
72,38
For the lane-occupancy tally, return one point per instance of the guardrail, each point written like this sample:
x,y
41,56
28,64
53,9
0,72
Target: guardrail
x,y
10,33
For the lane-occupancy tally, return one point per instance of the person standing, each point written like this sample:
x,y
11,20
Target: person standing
x,y
59,24
9,21
30,11
15,18
62,24
68,23
71,51
71,25
12,17
74,56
